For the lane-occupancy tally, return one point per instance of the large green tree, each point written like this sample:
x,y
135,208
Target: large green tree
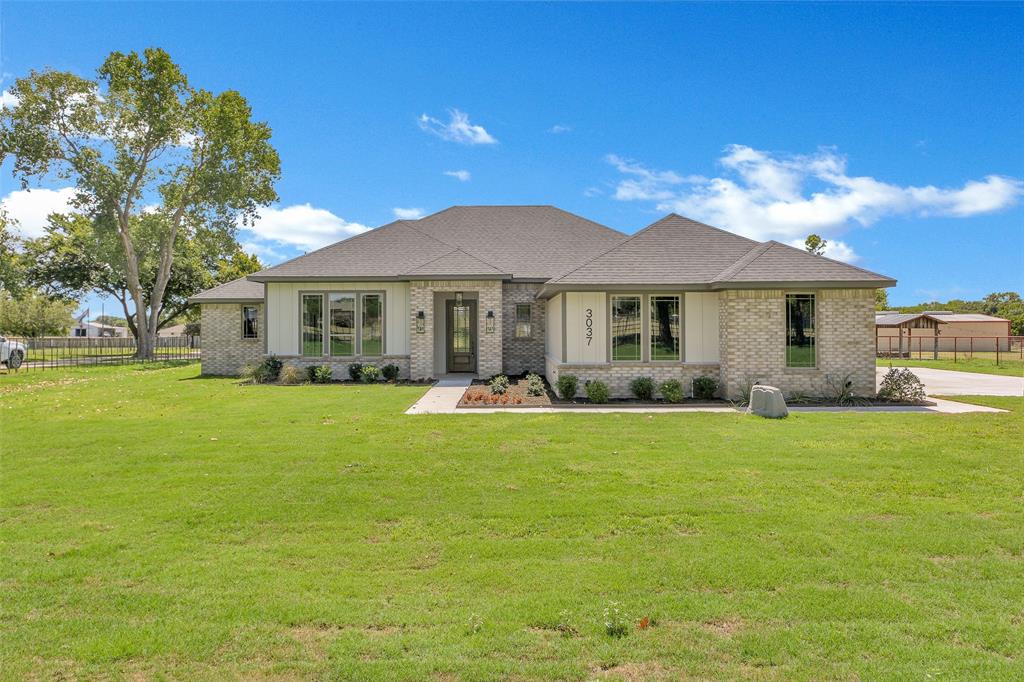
x,y
152,158
75,257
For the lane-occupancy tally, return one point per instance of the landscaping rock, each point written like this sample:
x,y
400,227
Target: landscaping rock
x,y
767,401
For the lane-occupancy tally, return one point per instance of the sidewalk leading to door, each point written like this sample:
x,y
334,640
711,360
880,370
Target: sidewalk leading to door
x,y
443,397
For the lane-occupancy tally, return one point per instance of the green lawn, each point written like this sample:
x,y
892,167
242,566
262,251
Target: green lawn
x,y
1010,366
156,524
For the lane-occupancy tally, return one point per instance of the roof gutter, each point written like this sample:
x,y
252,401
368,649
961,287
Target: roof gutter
x,y
550,289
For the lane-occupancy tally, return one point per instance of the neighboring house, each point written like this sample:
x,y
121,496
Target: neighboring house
x,y
935,331
94,330
510,289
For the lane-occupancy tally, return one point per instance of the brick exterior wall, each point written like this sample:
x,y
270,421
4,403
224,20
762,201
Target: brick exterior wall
x,y
752,333
521,355
224,351
619,375
421,346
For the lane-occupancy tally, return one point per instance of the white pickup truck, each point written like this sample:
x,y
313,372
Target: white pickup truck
x,y
12,353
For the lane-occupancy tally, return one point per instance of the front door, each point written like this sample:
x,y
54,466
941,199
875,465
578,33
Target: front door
x,y
460,335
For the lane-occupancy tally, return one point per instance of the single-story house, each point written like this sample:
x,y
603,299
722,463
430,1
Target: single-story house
x,y
83,329
935,331
511,289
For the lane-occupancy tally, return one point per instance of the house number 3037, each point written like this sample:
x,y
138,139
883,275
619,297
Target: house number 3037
x,y
589,322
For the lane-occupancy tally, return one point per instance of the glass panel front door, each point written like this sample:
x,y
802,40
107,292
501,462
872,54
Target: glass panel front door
x,y
460,323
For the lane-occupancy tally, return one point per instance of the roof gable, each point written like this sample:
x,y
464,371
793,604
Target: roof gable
x,y
240,290
457,263
673,250
773,261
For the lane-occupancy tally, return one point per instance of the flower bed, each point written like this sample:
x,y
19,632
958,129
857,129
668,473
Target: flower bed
x,y
479,395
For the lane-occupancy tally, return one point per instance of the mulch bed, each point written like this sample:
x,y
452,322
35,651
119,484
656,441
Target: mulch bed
x,y
479,395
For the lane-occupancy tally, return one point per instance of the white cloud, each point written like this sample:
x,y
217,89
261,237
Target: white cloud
x,y
592,192
30,208
300,225
765,195
834,249
460,175
408,213
557,129
457,129
8,99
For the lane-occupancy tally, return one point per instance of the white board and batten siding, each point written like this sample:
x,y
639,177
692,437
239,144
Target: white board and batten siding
x,y
700,326
586,327
553,325
283,313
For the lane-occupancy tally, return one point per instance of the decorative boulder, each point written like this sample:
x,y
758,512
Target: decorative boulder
x,y
767,401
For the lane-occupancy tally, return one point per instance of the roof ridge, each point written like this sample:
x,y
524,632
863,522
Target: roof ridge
x,y
743,261
712,227
629,238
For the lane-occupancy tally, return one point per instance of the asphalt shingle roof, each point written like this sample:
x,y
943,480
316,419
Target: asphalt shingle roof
x,y
547,244
239,290
524,242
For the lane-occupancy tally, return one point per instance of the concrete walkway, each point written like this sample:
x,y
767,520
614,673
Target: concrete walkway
x,y
443,396
949,382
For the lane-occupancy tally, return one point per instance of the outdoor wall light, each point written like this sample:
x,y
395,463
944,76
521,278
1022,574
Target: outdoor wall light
x,y
458,298
421,322
490,322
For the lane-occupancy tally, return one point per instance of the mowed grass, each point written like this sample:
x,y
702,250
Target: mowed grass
x,y
1009,365
158,524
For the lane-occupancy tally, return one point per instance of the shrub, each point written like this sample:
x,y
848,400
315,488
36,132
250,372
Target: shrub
x,y
320,374
597,391
292,375
369,374
567,385
254,373
901,385
498,384
272,366
534,385
840,389
615,624
355,371
390,372
672,391
642,388
704,388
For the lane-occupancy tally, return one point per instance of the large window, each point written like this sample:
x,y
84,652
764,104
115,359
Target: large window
x,y
351,322
373,325
626,328
312,324
664,328
800,347
250,322
343,324
523,326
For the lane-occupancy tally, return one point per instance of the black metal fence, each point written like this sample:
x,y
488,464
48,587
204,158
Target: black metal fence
x,y
21,354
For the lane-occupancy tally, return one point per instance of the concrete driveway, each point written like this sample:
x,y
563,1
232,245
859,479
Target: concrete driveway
x,y
946,382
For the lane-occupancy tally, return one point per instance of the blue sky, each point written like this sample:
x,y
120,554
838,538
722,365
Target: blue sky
x,y
896,131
